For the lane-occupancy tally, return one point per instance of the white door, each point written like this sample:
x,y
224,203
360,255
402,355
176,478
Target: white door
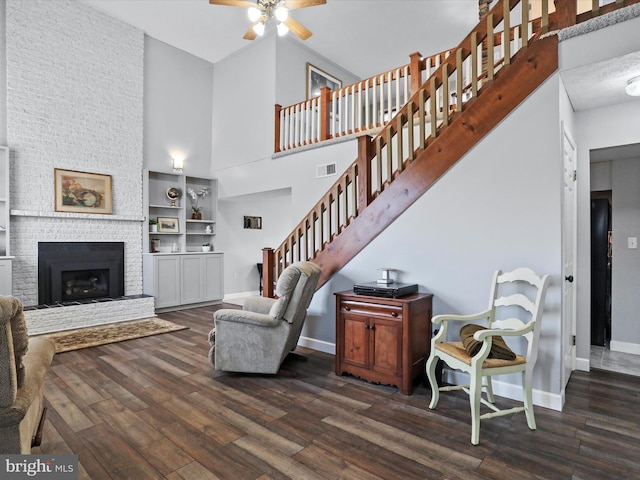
x,y
569,228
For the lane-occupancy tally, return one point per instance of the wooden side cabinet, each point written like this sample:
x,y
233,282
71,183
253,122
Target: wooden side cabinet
x,y
383,340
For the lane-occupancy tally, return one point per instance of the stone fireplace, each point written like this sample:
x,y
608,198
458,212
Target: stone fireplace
x,y
79,271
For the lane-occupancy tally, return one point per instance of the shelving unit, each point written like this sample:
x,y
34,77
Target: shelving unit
x,y
5,225
177,272
192,233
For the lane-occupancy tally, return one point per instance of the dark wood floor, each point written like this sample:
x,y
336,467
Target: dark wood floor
x,y
154,408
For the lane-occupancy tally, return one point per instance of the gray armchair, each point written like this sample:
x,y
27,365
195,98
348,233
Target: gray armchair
x,y
257,338
24,363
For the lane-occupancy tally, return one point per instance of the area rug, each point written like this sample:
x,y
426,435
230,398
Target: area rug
x,y
111,333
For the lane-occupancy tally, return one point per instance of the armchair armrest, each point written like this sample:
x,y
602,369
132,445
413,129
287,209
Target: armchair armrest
x,y
462,318
258,304
245,317
516,332
444,319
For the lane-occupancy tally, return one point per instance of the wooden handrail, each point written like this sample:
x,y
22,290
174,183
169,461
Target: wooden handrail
x,y
431,112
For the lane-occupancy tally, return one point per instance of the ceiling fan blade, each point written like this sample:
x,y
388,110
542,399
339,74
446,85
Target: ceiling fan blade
x,y
294,4
233,3
297,28
251,34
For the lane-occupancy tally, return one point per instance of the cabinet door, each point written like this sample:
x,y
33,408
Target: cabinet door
x,y
355,340
213,275
192,275
167,278
386,346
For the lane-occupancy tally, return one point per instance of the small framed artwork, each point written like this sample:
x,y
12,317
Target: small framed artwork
x,y
82,192
316,79
168,225
254,223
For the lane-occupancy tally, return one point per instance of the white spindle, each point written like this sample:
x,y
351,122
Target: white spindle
x,y
286,127
360,125
398,90
381,113
307,122
367,108
332,116
374,103
405,99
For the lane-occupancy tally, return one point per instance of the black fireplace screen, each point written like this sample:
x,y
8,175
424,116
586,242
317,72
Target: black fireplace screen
x,y
72,271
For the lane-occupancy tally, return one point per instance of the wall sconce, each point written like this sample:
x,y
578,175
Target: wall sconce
x,y
178,164
633,87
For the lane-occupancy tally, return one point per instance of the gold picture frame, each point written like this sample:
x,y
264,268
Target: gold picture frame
x,y
82,192
317,78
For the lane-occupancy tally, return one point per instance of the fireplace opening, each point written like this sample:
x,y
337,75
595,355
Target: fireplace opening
x,y
80,271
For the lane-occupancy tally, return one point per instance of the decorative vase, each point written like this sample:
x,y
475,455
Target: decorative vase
x,y
206,248
153,228
196,215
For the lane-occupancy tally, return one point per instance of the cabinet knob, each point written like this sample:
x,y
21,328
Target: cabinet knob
x,y
347,308
394,314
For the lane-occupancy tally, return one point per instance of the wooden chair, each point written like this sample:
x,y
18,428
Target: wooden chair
x,y
519,293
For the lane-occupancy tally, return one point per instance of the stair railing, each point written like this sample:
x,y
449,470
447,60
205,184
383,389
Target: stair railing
x,y
364,106
427,113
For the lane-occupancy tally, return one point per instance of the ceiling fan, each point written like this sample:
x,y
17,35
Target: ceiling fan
x,y
261,11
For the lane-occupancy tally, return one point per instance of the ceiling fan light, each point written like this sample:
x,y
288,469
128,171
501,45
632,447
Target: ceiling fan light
x,y
254,13
281,13
282,29
633,87
259,29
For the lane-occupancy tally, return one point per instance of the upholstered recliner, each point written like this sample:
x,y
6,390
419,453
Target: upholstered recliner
x,y
257,338
23,365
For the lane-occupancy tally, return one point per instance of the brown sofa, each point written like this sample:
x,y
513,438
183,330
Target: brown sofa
x,y
23,365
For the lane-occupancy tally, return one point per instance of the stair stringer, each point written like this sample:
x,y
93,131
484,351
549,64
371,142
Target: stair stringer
x,y
528,70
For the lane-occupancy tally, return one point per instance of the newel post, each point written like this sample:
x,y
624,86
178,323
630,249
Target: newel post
x,y
365,154
415,69
276,130
268,270
325,100
566,13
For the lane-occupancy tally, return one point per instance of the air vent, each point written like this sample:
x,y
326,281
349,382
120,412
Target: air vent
x,y
326,170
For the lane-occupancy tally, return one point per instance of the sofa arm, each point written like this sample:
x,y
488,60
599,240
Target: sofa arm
x,y
245,317
258,304
36,363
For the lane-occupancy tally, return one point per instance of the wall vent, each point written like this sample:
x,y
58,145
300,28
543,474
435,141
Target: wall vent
x,y
326,170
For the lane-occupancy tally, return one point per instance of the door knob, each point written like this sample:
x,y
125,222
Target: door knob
x,y
569,278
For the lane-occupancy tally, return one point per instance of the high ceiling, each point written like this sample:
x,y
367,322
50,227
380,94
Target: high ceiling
x,y
365,37
355,34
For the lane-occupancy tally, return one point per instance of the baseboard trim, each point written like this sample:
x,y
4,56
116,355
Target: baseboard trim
x,y
625,347
583,364
319,345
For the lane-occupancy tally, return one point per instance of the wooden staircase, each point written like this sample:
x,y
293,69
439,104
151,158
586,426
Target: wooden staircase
x,y
434,130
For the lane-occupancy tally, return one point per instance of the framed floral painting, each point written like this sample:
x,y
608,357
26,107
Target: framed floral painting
x,y
82,192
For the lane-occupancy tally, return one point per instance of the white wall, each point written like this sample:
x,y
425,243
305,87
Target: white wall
x,y
74,101
243,247
494,209
625,268
178,90
597,128
243,105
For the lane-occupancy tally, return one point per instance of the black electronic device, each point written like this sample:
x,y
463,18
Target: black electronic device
x,y
390,290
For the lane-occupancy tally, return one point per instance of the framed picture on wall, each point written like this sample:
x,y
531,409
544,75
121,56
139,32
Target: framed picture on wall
x,y
316,79
168,225
82,192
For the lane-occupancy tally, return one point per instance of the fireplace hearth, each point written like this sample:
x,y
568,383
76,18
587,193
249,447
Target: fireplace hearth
x,y
79,271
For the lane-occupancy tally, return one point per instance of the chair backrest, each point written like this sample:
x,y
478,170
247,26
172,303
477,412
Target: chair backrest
x,y
295,288
516,295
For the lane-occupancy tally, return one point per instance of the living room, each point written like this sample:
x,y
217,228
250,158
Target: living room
x,y
119,100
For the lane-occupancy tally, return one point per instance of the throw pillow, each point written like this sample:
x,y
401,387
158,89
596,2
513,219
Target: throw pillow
x,y
499,349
